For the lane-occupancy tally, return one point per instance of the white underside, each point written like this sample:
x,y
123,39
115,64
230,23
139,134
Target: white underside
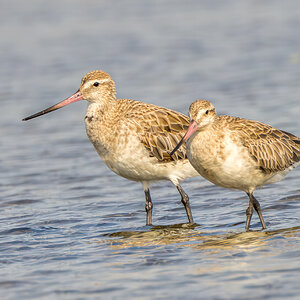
x,y
142,168
235,169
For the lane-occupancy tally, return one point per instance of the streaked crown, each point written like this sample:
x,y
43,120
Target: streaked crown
x,y
200,106
97,86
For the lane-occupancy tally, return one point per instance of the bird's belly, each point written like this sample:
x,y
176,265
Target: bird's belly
x,y
128,158
133,170
232,169
145,168
232,177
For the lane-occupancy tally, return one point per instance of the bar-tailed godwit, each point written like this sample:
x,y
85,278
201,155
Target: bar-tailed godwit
x,y
237,153
134,139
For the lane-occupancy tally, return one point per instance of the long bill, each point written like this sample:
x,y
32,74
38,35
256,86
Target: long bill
x,y
74,98
192,128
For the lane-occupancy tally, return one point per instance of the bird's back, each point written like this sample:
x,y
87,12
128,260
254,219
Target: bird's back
x,y
274,150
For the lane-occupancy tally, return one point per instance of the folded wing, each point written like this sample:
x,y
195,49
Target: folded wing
x,y
272,149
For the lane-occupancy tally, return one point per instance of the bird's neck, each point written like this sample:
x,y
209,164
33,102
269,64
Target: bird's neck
x,y
104,103
105,111
208,127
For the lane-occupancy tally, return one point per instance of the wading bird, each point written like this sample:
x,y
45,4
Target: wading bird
x,y
134,139
237,153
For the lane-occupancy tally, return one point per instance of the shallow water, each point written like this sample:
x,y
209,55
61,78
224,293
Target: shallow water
x,y
69,227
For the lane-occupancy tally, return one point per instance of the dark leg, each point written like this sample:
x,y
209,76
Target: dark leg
x,y
254,203
186,202
258,210
249,213
148,207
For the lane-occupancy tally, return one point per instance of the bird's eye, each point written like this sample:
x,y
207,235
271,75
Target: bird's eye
x,y
206,112
96,83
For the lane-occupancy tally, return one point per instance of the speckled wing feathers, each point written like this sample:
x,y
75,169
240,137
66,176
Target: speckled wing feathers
x,y
163,136
159,130
273,149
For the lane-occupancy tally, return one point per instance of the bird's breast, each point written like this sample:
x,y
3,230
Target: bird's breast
x,y
99,130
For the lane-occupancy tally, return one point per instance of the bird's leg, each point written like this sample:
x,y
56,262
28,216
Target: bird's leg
x,y
249,212
148,207
256,206
186,202
254,203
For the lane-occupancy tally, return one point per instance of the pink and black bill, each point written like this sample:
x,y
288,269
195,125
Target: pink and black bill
x,y
192,128
74,98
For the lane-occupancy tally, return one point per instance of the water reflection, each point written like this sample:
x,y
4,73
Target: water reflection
x,y
192,236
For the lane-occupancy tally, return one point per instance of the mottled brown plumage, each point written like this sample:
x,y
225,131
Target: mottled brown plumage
x,y
238,153
133,138
162,130
273,149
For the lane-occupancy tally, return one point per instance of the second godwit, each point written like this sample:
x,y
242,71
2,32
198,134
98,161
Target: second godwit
x,y
134,139
238,154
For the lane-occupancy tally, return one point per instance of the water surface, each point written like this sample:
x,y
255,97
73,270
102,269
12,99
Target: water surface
x,y
69,227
